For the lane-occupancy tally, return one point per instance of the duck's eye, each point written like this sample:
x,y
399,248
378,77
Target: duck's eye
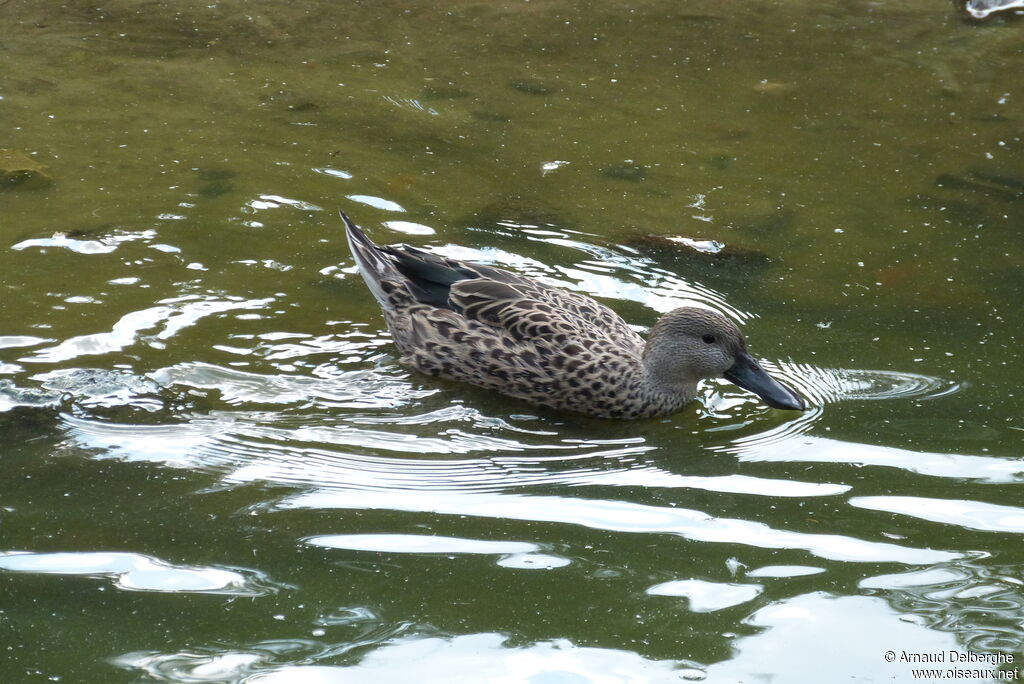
x,y
708,339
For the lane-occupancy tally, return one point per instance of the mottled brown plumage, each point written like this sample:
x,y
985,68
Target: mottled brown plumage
x,y
505,332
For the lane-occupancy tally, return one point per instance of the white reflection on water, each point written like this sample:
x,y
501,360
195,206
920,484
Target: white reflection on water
x,y
735,484
794,637
481,657
514,554
782,448
419,543
777,571
377,202
620,516
533,561
791,441
136,572
980,9
174,314
409,228
123,334
277,201
972,515
468,658
21,341
335,173
914,578
707,597
105,245
798,636
977,600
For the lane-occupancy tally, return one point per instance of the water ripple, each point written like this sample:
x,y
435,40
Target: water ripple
x,y
105,245
708,597
453,413
791,441
780,445
620,516
136,572
829,385
173,315
339,389
977,600
419,543
410,103
7,341
251,447
95,387
972,515
436,660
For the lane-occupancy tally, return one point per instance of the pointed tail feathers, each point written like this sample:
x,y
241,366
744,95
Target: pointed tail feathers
x,y
374,265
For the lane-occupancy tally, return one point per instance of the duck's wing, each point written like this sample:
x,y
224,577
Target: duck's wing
x,y
569,353
531,310
436,295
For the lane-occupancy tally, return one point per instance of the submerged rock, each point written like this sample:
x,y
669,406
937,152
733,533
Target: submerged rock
x,y
627,171
289,101
704,258
215,182
1012,180
706,246
530,86
966,212
444,91
490,116
999,185
20,170
710,249
517,210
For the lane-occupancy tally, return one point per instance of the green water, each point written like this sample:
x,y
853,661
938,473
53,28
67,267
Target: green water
x,y
212,468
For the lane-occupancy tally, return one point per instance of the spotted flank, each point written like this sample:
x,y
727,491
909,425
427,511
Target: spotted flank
x,y
501,331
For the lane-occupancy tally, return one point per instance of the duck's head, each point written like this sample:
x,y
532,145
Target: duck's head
x,y
691,344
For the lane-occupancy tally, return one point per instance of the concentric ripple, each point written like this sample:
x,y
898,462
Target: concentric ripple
x,y
829,385
253,447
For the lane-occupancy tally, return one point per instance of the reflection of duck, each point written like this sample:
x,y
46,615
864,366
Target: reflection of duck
x,y
505,332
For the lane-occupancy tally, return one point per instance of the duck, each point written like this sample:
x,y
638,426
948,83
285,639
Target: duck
x,y
511,334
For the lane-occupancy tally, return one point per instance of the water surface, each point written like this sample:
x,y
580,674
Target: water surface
x,y
213,468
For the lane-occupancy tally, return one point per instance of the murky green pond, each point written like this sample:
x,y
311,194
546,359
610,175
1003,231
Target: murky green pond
x,y
213,469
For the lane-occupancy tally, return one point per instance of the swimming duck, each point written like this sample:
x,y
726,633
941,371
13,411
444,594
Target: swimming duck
x,y
508,333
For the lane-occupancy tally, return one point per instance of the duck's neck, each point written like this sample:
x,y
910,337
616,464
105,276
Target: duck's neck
x,y
663,383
